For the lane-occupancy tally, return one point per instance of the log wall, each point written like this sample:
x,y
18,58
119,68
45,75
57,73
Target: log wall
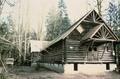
x,y
74,52
80,54
54,53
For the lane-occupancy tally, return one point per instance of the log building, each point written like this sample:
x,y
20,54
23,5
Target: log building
x,y
89,40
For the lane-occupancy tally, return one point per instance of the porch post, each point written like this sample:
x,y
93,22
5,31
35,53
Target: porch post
x,y
75,66
107,66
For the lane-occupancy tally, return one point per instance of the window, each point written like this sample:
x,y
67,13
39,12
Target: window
x,y
95,48
71,47
75,66
90,49
80,29
113,53
109,47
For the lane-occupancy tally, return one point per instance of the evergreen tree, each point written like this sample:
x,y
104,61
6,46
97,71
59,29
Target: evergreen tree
x,y
113,17
99,6
57,21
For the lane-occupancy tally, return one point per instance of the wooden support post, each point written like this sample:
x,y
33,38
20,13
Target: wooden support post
x,y
75,66
64,47
107,66
117,57
94,16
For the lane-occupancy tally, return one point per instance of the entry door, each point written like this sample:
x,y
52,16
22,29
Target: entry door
x,y
93,54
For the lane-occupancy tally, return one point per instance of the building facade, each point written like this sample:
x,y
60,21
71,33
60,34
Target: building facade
x,y
89,40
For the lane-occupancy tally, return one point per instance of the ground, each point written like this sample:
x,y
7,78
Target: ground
x,y
24,72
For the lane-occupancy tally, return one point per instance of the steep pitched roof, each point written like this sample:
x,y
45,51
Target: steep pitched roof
x,y
77,23
65,34
91,32
102,32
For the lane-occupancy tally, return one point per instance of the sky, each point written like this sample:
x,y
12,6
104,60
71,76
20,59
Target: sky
x,y
34,12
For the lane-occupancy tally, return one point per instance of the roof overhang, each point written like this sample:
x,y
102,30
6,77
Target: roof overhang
x,y
103,40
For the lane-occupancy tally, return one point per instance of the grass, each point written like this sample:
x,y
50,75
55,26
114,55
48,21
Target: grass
x,y
2,76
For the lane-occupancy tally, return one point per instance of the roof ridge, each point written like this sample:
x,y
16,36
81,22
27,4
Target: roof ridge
x,y
71,28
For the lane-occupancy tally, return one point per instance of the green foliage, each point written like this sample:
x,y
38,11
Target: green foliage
x,y
3,28
6,27
57,21
113,17
2,76
6,32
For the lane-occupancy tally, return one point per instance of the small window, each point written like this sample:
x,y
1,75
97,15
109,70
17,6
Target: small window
x,y
113,53
90,49
95,48
109,48
75,66
71,47
80,29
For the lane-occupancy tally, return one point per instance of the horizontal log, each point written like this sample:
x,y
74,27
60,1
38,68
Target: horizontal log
x,y
78,43
75,54
108,60
75,51
104,52
109,54
72,41
90,62
81,58
105,55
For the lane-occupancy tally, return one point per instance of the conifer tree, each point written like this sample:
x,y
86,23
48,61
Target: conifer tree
x,y
57,21
113,17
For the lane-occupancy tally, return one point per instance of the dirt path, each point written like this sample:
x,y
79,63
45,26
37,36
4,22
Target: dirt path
x,y
28,73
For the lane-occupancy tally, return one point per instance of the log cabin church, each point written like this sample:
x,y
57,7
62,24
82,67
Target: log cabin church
x,y
89,40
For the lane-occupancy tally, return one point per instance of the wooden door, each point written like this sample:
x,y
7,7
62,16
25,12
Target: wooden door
x,y
93,54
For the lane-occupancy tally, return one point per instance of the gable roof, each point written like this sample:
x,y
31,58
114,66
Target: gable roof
x,y
91,32
97,29
76,24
